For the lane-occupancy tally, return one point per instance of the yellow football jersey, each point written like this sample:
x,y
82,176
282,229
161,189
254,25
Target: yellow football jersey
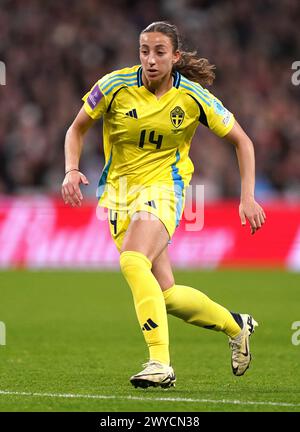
x,y
147,140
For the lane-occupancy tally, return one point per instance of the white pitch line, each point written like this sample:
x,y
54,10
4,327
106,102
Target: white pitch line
x,y
155,399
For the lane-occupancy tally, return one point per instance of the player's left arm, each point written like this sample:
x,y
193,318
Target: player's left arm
x,y
249,208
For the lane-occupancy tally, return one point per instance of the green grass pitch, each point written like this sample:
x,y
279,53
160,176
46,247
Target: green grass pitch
x,y
76,333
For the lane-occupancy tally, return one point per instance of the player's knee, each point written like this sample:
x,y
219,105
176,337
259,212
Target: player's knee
x,y
168,283
165,281
131,261
163,275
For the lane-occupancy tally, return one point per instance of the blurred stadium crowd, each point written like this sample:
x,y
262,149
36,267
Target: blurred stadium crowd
x,y
54,51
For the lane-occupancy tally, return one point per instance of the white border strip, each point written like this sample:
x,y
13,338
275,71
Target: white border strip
x,y
155,399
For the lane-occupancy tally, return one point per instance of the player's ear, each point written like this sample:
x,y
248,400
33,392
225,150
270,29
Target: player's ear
x,y
176,57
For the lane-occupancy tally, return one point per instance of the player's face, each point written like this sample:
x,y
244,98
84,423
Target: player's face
x,y
157,56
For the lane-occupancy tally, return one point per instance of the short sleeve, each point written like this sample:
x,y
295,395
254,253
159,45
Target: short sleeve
x,y
220,121
94,102
212,113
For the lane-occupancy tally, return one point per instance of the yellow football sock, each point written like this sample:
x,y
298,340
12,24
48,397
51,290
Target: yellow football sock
x,y
196,308
149,303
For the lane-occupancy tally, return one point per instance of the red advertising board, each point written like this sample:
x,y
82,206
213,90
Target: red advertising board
x,y
41,232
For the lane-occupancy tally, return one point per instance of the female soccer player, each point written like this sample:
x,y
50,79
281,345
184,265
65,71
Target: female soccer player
x,y
150,114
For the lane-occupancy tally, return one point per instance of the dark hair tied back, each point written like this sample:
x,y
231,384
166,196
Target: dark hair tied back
x,y
190,64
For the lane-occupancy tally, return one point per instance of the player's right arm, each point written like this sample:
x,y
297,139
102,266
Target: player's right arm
x,y
91,111
96,103
73,146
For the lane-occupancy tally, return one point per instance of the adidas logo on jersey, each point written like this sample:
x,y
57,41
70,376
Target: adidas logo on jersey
x,y
132,113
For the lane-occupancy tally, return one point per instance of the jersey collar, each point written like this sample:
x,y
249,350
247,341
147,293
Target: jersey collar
x,y
176,76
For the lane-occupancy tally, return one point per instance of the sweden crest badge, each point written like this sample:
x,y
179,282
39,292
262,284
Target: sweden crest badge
x,y
177,116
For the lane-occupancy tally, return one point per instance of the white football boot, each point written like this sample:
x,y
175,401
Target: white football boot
x,y
155,374
240,349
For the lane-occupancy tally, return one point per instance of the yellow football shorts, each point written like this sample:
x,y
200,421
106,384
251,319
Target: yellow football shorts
x,y
163,203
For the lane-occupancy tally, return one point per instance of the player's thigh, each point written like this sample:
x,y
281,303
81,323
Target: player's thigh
x,y
146,234
162,270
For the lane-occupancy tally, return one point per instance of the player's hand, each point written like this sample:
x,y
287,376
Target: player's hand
x,y
250,210
70,189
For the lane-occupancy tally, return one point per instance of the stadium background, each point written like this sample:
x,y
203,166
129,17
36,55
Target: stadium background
x,y
54,52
